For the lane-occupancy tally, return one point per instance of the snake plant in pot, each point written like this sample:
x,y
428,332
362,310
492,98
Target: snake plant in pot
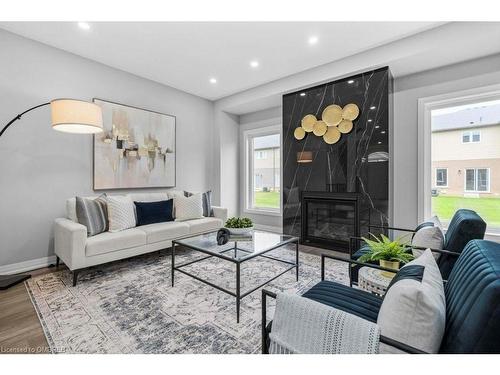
x,y
389,253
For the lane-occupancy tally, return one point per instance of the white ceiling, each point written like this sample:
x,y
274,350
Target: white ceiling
x,y
187,55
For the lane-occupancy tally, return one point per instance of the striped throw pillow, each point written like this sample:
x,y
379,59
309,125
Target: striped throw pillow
x,y
206,200
93,213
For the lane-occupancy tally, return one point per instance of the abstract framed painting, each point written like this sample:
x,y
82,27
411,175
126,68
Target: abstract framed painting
x,y
135,150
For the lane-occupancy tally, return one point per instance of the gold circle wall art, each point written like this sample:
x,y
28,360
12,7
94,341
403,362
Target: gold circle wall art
x,y
299,133
332,135
320,128
308,123
345,126
334,122
350,112
332,115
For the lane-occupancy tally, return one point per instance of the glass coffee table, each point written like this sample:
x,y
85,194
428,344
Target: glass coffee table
x,y
238,250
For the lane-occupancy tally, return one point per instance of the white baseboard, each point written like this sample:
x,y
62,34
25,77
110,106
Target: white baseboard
x,y
27,265
269,228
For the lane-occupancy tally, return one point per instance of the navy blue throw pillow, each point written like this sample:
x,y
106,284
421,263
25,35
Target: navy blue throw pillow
x,y
154,212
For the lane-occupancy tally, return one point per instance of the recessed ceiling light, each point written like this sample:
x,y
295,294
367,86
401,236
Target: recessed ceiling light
x,y
379,143
370,120
213,80
84,25
302,94
313,40
254,64
377,126
382,132
373,107
351,81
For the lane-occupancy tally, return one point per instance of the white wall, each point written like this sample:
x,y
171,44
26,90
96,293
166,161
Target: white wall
x,y
467,75
255,120
226,160
40,167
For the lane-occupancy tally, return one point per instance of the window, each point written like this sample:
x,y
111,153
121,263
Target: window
x,y
477,180
263,170
261,155
471,136
442,177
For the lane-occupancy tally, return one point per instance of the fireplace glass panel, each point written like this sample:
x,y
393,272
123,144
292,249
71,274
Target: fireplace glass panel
x,y
333,220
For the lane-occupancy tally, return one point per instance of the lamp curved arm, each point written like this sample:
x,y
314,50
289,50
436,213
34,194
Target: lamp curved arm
x,y
18,117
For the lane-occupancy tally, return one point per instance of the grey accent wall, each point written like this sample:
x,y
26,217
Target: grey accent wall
x,y
40,168
407,90
255,120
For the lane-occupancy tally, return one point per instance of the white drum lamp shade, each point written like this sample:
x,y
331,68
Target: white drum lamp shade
x,y
76,116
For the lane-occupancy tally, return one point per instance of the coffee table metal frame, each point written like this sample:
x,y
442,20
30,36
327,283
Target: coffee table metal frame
x,y
238,294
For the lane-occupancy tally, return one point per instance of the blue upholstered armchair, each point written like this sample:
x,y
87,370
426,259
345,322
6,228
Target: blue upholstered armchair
x,y
466,225
472,295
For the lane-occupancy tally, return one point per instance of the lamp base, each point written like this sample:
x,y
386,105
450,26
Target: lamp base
x,y
7,281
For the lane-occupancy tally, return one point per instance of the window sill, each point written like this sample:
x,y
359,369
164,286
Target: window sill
x,y
254,211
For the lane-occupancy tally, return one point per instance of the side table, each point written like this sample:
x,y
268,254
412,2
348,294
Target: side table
x,y
374,280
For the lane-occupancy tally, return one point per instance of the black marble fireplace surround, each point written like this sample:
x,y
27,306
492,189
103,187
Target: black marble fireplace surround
x,y
346,185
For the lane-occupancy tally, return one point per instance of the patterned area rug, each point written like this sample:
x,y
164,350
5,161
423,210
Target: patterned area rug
x,y
129,306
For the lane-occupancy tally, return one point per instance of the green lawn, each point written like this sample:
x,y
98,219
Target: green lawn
x,y
487,208
267,199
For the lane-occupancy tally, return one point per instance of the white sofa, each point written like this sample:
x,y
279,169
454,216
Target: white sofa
x,y
78,251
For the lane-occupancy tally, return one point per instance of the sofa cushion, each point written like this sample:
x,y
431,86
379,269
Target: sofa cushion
x,y
205,224
206,200
354,301
473,301
121,213
465,225
188,208
414,308
93,213
429,236
165,231
107,242
154,212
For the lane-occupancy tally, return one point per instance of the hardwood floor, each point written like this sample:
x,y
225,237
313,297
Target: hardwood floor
x,y
20,329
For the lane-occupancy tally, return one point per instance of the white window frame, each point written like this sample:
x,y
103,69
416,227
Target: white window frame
x,y
436,175
475,181
248,178
470,133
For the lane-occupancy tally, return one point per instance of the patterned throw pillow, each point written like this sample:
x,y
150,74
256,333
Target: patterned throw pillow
x,y
188,208
120,213
206,200
92,213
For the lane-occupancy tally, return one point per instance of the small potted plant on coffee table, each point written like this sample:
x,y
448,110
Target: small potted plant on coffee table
x,y
239,225
389,253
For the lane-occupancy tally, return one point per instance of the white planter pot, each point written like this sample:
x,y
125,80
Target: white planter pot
x,y
239,231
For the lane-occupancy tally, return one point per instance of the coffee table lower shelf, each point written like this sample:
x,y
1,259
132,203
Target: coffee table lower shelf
x,y
238,294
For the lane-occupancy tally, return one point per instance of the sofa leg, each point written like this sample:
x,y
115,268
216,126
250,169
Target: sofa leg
x,y
75,276
57,261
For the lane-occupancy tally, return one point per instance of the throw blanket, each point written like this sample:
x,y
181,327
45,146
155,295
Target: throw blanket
x,y
301,325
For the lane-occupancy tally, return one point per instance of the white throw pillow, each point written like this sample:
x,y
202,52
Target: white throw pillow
x,y
435,220
414,311
121,213
188,208
428,237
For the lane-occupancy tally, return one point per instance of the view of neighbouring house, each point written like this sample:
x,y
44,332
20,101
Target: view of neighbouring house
x,y
267,163
466,159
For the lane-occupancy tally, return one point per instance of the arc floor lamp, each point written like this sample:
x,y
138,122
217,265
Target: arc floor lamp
x,y
70,116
